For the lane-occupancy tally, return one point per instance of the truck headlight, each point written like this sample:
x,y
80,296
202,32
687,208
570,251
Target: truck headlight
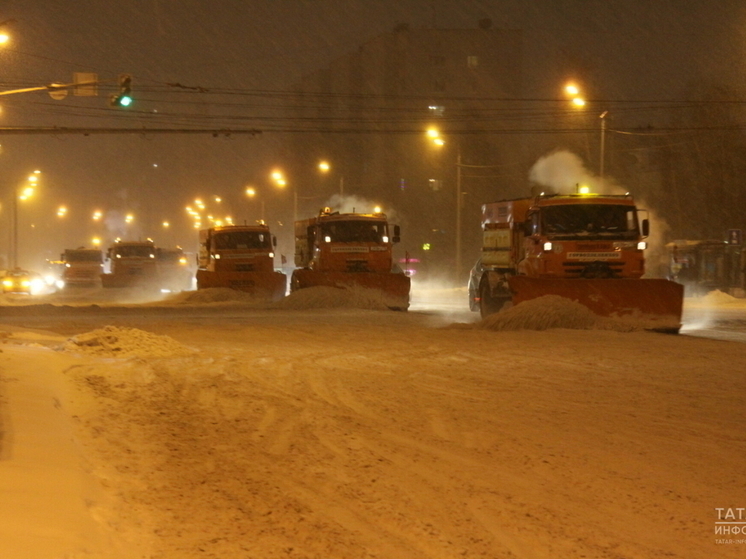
x,y
642,245
548,246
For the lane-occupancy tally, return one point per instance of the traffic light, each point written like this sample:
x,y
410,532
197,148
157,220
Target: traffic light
x,y
124,97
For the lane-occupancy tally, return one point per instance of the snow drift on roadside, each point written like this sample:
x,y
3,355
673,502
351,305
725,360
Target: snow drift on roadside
x,y
215,295
553,311
114,341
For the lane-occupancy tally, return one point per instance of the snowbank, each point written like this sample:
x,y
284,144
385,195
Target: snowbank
x,y
214,295
553,311
718,297
114,341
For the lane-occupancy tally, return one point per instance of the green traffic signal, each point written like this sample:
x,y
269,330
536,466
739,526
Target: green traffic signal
x,y
124,99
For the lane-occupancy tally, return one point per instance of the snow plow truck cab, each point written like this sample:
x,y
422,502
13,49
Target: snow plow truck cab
x,y
240,257
349,249
586,247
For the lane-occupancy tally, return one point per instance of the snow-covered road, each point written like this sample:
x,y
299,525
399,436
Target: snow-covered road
x,y
226,430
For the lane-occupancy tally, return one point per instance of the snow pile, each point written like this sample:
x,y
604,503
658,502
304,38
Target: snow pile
x,y
718,297
115,341
351,297
552,311
214,295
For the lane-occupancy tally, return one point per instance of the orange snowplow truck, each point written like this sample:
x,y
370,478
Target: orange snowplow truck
x,y
130,264
585,247
240,257
83,267
349,249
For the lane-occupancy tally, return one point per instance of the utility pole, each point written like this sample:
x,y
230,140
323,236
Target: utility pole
x,y
603,143
458,214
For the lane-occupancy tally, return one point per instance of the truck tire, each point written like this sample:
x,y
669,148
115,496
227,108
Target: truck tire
x,y
488,304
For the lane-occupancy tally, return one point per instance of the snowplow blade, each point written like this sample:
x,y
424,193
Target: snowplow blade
x,y
393,287
264,285
657,302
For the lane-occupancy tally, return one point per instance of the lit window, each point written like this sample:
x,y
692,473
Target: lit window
x,y
436,110
435,184
472,61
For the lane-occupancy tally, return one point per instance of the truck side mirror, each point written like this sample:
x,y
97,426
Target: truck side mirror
x,y
645,228
397,234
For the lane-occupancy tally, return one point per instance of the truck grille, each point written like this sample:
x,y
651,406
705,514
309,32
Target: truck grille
x,y
593,269
357,265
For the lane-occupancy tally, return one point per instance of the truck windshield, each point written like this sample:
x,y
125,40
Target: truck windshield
x,y
134,252
354,232
83,256
590,219
242,240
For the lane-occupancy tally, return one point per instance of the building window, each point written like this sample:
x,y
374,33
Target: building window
x,y
472,61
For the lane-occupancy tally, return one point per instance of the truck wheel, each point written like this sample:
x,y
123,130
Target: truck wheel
x,y
294,283
488,303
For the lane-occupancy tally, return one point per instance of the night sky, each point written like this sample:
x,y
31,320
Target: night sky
x,y
232,64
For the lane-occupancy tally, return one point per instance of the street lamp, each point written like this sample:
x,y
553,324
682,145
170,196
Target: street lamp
x,y
21,192
251,193
278,178
437,139
574,92
325,167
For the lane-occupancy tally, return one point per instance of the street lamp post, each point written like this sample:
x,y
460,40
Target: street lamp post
x,y
603,143
438,140
325,167
23,193
251,192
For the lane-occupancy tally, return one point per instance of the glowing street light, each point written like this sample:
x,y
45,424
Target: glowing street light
x,y
573,91
97,215
61,211
435,137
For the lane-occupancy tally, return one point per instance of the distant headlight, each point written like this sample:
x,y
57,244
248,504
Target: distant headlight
x,y
8,282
